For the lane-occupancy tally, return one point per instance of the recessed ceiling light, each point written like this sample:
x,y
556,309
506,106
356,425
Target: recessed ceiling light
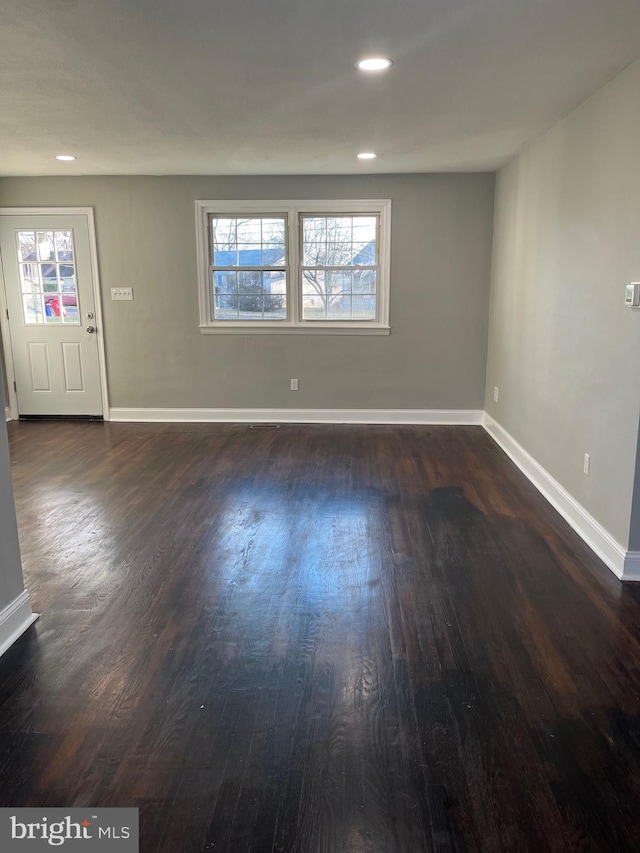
x,y
65,157
367,155
374,63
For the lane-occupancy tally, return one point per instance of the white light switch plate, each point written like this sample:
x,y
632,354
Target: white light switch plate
x,y
121,293
632,295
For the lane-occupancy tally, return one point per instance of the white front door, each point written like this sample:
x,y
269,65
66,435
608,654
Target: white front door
x,y
46,262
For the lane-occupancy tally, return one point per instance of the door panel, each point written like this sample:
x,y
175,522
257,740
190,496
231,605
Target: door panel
x,y
39,367
46,261
72,364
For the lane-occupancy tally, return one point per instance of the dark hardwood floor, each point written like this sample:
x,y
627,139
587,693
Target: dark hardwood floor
x,y
316,639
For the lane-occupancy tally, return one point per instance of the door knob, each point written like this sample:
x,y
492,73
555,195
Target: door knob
x,y
90,329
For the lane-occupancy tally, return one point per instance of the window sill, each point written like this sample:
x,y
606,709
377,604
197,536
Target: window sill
x,y
279,329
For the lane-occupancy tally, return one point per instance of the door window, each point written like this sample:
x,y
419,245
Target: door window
x,y
47,277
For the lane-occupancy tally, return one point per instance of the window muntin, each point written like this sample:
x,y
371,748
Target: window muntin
x,y
248,268
339,267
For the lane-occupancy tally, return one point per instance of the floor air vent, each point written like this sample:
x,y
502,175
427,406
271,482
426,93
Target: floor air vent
x,y
264,426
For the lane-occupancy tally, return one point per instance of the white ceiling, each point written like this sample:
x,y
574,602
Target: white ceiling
x,y
270,87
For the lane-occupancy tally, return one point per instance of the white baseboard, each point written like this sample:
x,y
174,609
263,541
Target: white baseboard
x,y
15,618
624,564
7,413
302,416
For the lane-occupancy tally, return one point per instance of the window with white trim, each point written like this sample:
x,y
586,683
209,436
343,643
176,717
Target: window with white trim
x,y
248,267
317,267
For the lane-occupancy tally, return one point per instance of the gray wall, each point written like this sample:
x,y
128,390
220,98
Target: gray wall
x,y
11,583
563,348
3,372
435,356
634,531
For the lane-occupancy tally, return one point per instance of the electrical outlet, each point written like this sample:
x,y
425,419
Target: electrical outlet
x,y
294,384
121,294
587,464
496,393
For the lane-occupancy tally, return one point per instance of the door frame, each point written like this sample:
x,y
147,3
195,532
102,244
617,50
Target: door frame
x,y
95,275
